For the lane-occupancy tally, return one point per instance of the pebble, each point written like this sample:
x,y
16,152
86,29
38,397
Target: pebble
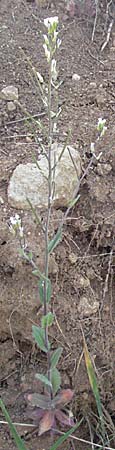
x,y
9,93
1,201
75,77
93,84
87,307
72,258
11,106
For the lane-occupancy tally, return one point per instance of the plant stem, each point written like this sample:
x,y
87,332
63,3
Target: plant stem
x,y
48,216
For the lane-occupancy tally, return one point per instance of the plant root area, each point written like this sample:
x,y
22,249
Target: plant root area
x,y
82,266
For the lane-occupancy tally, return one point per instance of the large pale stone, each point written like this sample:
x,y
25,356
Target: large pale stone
x,y
29,182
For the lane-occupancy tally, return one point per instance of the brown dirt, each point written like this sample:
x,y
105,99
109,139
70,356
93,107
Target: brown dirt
x,y
83,263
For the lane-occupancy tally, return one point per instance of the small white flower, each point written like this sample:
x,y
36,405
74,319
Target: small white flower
x,y
55,36
50,21
15,225
15,220
92,147
46,39
40,78
58,43
101,126
55,130
47,52
54,70
45,101
21,232
101,123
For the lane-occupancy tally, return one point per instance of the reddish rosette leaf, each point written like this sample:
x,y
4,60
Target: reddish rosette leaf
x,y
64,397
64,419
40,401
36,414
47,422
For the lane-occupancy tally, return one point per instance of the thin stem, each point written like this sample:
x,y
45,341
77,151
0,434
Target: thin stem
x,y
48,216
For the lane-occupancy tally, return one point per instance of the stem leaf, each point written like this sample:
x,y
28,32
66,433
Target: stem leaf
x,y
19,442
94,384
39,336
48,290
44,379
55,380
41,401
55,241
55,357
74,201
47,320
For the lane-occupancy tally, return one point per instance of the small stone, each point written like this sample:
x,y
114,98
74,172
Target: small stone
x,y
28,181
9,93
90,273
101,98
72,258
107,168
75,77
1,201
11,106
103,169
28,139
87,307
92,84
84,282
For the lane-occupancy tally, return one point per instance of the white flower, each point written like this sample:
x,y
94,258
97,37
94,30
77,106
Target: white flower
x,y
101,126
46,39
15,225
50,21
92,147
58,43
55,36
40,78
15,220
54,70
47,52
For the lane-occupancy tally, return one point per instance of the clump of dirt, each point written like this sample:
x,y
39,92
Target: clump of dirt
x,y
82,266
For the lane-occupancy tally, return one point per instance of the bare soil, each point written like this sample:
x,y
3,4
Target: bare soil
x,y
83,263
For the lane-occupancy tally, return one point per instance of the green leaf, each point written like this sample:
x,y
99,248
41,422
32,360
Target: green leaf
x,y
65,436
48,290
44,379
74,201
55,241
55,380
39,336
94,385
47,320
21,252
19,442
30,256
55,357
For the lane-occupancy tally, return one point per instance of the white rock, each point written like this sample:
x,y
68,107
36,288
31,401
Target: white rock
x,y
28,181
11,106
87,306
1,200
92,84
75,77
9,93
